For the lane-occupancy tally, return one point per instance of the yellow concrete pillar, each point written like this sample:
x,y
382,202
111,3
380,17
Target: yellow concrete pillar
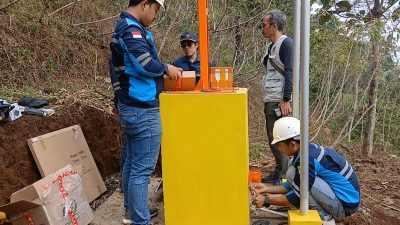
x,y
205,158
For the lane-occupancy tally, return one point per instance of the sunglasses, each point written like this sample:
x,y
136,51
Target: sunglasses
x,y
186,44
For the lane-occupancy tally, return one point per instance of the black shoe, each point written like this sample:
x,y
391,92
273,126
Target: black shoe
x,y
273,177
35,103
261,222
153,212
277,182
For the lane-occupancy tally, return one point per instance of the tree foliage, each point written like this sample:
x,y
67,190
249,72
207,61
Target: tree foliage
x,y
377,18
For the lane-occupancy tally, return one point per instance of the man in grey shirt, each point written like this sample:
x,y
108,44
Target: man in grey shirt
x,y
276,83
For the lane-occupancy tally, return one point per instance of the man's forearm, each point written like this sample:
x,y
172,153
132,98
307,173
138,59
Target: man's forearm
x,y
276,189
279,201
288,88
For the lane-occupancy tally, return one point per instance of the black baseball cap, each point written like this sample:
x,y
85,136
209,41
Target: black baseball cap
x,y
189,36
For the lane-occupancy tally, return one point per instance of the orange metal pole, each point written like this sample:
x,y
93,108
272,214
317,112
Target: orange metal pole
x,y
204,51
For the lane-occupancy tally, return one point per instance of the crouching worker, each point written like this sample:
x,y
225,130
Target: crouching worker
x,y
333,184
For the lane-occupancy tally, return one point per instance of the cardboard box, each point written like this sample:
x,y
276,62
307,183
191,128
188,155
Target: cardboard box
x,y
221,77
54,150
186,83
25,212
59,198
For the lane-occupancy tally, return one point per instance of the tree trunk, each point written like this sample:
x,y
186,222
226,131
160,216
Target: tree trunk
x,y
238,44
373,98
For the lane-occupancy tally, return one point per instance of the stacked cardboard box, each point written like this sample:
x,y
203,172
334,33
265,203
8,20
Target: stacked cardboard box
x,y
70,181
57,199
54,150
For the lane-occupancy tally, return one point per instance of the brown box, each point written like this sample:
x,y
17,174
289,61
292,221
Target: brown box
x,y
221,77
186,83
57,199
55,150
25,212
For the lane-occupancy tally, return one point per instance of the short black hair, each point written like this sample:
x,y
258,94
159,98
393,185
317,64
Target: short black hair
x,y
287,141
137,2
278,18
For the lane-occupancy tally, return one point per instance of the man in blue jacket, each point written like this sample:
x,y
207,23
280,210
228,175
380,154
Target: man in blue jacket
x,y
140,81
190,61
333,184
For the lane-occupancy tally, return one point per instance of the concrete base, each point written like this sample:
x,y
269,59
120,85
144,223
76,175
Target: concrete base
x,y
296,218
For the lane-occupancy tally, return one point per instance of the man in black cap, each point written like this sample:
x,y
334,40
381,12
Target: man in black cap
x,y
191,60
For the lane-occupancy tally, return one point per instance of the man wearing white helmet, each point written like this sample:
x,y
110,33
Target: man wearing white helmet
x,y
139,73
333,184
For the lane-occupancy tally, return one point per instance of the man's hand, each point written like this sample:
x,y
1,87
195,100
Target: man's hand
x,y
285,108
174,73
259,200
259,188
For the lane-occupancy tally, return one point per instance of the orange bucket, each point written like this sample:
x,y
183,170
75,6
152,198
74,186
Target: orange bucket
x,y
254,176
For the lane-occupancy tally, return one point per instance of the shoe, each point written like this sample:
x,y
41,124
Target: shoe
x,y
273,177
153,212
261,222
330,221
277,182
127,216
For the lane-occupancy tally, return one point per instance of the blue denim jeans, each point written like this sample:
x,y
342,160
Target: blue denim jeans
x,y
124,152
142,130
323,199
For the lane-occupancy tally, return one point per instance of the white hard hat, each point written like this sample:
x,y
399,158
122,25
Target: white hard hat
x,y
285,128
161,2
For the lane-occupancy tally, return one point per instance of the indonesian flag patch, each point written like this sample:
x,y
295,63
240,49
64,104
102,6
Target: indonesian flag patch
x,y
136,34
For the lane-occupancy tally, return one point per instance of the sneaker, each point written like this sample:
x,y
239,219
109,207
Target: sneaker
x,y
273,177
330,221
127,216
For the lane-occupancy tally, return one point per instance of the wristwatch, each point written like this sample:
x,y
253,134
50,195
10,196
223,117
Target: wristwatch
x,y
266,201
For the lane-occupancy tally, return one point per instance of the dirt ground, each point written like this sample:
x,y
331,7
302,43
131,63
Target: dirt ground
x,y
379,176
17,166
111,211
380,185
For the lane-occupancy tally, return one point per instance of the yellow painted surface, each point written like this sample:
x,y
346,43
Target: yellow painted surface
x,y
205,158
2,216
296,218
